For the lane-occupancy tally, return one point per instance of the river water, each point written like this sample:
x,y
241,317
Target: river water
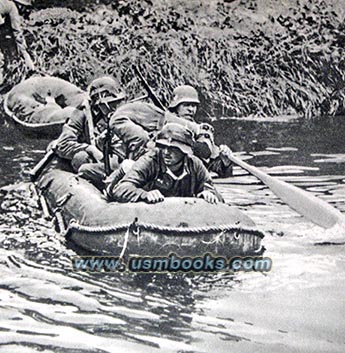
x,y
296,307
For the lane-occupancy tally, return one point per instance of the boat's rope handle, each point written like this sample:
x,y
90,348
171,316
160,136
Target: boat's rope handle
x,y
74,225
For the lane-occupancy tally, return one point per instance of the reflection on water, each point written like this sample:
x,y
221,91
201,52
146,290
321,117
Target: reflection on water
x,y
297,307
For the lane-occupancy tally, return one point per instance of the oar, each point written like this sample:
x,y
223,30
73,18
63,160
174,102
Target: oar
x,y
305,203
37,170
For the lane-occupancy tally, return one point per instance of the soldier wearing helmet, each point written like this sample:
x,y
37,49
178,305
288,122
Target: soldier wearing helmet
x,y
184,105
12,40
136,124
185,102
87,124
168,170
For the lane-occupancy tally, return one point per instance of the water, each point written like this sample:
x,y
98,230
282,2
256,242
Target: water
x,y
296,307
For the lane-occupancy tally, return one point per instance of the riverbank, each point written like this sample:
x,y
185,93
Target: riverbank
x,y
246,58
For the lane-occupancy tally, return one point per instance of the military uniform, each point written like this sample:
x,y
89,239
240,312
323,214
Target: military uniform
x,y
150,173
75,140
138,123
135,124
11,34
75,136
73,143
205,148
12,42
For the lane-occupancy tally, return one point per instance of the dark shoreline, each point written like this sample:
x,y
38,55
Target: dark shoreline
x,y
244,58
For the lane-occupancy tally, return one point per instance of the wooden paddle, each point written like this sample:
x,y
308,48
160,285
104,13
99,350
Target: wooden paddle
x,y
305,203
37,170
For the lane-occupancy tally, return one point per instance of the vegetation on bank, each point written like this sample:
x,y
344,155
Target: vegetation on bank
x,y
245,57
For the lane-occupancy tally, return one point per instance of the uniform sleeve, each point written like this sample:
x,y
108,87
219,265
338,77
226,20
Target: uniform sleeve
x,y
72,139
217,165
130,188
203,180
134,136
190,125
16,27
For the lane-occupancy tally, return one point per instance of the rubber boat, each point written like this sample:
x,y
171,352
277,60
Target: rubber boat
x,y
40,105
185,226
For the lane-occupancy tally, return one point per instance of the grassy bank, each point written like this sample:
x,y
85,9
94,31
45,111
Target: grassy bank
x,y
261,57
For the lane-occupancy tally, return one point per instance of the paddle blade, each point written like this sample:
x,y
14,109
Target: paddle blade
x,y
305,203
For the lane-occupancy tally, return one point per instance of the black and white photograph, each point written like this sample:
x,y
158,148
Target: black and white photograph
x,y
172,176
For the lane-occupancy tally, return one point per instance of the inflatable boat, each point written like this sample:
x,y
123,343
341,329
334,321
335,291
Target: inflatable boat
x,y
39,106
185,226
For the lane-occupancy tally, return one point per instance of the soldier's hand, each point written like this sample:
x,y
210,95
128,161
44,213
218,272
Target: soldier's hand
x,y
208,196
224,153
95,153
154,196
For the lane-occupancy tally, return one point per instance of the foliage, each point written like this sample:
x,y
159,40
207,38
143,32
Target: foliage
x,y
245,57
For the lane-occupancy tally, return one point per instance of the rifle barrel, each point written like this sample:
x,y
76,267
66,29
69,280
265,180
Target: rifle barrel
x,y
149,89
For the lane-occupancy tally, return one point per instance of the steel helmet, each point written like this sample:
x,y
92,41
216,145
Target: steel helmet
x,y
176,135
184,94
24,2
106,84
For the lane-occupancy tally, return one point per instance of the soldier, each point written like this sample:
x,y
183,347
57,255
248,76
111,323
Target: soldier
x,y
137,124
12,40
184,106
185,102
168,170
82,138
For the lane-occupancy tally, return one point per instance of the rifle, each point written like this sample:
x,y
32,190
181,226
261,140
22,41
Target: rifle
x,y
107,150
90,124
106,108
156,101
